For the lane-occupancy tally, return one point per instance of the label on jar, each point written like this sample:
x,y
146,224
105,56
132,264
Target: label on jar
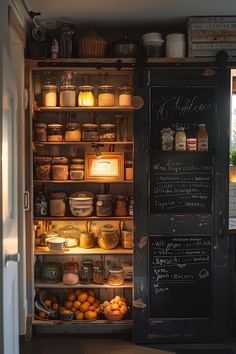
x,y
180,144
43,208
203,144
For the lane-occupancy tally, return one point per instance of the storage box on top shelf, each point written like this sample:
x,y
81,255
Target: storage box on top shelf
x,y
209,35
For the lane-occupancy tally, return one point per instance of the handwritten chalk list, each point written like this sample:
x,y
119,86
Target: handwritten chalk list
x,y
171,107
181,182
180,276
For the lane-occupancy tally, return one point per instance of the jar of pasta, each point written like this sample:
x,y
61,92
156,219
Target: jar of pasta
x,y
106,96
108,237
107,132
116,276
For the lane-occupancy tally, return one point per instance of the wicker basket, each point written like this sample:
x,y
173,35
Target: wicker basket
x,y
92,46
115,317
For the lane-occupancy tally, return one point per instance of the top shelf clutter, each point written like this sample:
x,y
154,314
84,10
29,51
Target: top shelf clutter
x,y
70,109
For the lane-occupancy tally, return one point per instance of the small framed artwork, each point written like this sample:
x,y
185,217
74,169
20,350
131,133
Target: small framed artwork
x,y
108,167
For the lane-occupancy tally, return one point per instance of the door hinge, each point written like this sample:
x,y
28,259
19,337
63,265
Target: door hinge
x,y
26,201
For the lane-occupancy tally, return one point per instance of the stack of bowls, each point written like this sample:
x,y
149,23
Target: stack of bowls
x,y
81,203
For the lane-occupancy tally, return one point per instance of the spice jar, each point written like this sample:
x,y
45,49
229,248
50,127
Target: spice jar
x,y
191,144
76,172
51,272
41,204
116,276
70,273
107,132
43,167
55,132
86,272
86,239
125,96
127,239
106,96
180,139
73,132
49,93
86,96
98,274
90,132
104,205
202,138
40,132
58,204
121,205
108,237
67,95
129,171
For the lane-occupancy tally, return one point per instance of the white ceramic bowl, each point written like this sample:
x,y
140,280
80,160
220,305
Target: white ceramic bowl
x,y
81,211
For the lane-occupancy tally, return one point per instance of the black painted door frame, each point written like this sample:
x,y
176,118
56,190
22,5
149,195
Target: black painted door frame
x,y
216,326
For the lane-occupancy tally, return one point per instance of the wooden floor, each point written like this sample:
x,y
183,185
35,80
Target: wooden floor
x,y
73,344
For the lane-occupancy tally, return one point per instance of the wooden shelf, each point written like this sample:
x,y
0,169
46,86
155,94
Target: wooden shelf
x,y
84,143
126,285
83,109
44,251
127,322
68,218
77,181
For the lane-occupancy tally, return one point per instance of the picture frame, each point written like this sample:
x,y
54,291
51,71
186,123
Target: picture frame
x,y
107,167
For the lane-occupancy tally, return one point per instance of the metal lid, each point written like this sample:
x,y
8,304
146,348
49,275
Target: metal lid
x,y
106,87
90,125
77,161
108,228
116,270
55,125
49,86
104,196
67,87
107,125
86,87
72,125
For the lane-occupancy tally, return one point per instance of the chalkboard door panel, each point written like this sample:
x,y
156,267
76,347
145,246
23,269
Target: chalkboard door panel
x,y
180,276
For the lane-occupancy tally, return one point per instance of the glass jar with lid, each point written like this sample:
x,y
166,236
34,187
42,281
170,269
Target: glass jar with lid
x,y
67,95
42,167
51,272
116,276
86,96
58,203
129,170
86,239
107,132
180,139
125,96
90,132
98,274
121,205
108,237
76,172
106,96
49,95
55,132
104,205
40,132
86,272
70,273
72,132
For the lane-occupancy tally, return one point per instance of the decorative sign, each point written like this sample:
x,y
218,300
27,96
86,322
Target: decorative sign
x,y
181,182
180,276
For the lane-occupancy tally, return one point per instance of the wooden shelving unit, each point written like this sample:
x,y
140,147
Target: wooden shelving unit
x,y
84,143
68,181
84,109
74,218
44,251
127,284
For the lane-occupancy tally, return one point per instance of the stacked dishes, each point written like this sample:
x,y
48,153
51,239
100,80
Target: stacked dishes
x,y
81,203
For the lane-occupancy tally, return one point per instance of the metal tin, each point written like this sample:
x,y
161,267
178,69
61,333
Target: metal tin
x,y
51,272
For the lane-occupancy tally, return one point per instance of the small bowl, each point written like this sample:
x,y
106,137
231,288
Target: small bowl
x,y
56,243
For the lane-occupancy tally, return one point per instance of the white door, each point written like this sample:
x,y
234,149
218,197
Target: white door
x,y
9,191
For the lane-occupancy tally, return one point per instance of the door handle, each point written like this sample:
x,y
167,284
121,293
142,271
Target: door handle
x,y
15,257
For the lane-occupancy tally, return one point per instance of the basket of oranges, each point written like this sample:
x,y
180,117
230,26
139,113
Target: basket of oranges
x,y
115,309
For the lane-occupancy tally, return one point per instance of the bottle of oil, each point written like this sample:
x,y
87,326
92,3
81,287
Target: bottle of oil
x,y
202,138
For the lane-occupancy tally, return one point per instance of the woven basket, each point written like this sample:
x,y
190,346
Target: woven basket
x,y
115,317
92,46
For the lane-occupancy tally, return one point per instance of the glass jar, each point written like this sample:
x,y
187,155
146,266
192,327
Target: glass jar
x,y
116,276
106,96
40,132
42,167
125,96
202,138
104,205
180,139
60,172
108,237
86,272
90,132
73,132
67,95
76,172
107,132
127,239
86,96
121,205
51,272
55,132
86,239
98,274
49,93
41,204
129,171
70,273
58,204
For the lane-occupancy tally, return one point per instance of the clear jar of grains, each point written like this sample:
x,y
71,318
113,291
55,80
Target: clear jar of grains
x,y
49,95
67,95
90,132
104,205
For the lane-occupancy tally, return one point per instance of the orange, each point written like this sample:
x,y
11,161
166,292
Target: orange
x,y
90,315
82,296
79,315
47,302
91,293
84,306
68,304
91,299
96,303
76,304
71,297
55,307
77,292
66,312
91,308
42,315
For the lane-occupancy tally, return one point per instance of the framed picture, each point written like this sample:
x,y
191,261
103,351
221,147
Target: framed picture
x,y
107,167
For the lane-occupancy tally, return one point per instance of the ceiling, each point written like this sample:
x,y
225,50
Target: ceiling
x,y
128,12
